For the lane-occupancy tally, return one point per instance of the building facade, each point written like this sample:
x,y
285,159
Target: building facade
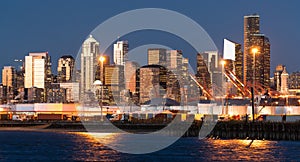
x,y
151,83
251,26
157,56
72,91
120,52
114,83
88,65
65,69
256,65
37,70
130,75
9,82
277,77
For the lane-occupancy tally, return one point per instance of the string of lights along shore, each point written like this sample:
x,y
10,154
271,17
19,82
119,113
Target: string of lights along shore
x,y
237,68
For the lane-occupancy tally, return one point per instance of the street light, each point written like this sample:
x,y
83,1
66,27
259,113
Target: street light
x,y
98,83
254,51
101,59
223,62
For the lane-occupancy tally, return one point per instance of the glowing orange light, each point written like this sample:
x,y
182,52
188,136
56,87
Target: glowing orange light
x,y
102,59
223,62
254,50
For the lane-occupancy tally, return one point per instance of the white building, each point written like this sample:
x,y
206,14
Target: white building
x,y
284,81
37,69
88,64
120,52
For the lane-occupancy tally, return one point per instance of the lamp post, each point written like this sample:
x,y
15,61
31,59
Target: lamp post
x,y
223,62
254,51
101,59
97,84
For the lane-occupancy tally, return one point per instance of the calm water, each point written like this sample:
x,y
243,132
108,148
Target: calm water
x,y
51,146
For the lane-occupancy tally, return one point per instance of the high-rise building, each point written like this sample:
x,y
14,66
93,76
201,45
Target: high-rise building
x,y
211,61
294,80
130,75
176,79
120,52
251,26
253,39
65,69
277,77
284,82
9,81
113,83
262,60
8,76
88,65
103,60
37,70
151,82
157,56
174,59
203,76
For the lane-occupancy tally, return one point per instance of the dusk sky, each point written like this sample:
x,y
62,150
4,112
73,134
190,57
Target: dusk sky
x,y
60,27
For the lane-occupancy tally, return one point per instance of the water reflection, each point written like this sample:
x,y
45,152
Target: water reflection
x,y
89,147
240,150
194,149
55,146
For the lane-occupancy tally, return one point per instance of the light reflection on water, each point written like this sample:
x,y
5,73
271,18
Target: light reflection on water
x,y
208,149
75,146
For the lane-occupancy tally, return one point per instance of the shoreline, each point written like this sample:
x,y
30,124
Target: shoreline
x,y
223,130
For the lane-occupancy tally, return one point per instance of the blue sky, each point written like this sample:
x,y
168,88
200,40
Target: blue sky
x,y
60,27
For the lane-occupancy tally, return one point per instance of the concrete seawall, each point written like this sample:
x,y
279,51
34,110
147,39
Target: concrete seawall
x,y
223,129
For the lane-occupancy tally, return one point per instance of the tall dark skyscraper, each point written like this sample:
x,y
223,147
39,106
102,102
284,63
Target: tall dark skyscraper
x,y
203,75
253,39
65,69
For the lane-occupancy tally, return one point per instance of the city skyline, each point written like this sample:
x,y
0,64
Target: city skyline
x,y
70,42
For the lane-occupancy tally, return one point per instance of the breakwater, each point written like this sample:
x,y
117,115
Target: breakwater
x,y
223,129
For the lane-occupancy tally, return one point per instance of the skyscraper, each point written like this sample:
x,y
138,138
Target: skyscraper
x,y
211,61
253,39
37,70
277,77
262,60
65,69
176,79
203,75
251,26
284,82
151,82
100,68
130,75
157,56
8,76
9,82
88,65
120,52
114,83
